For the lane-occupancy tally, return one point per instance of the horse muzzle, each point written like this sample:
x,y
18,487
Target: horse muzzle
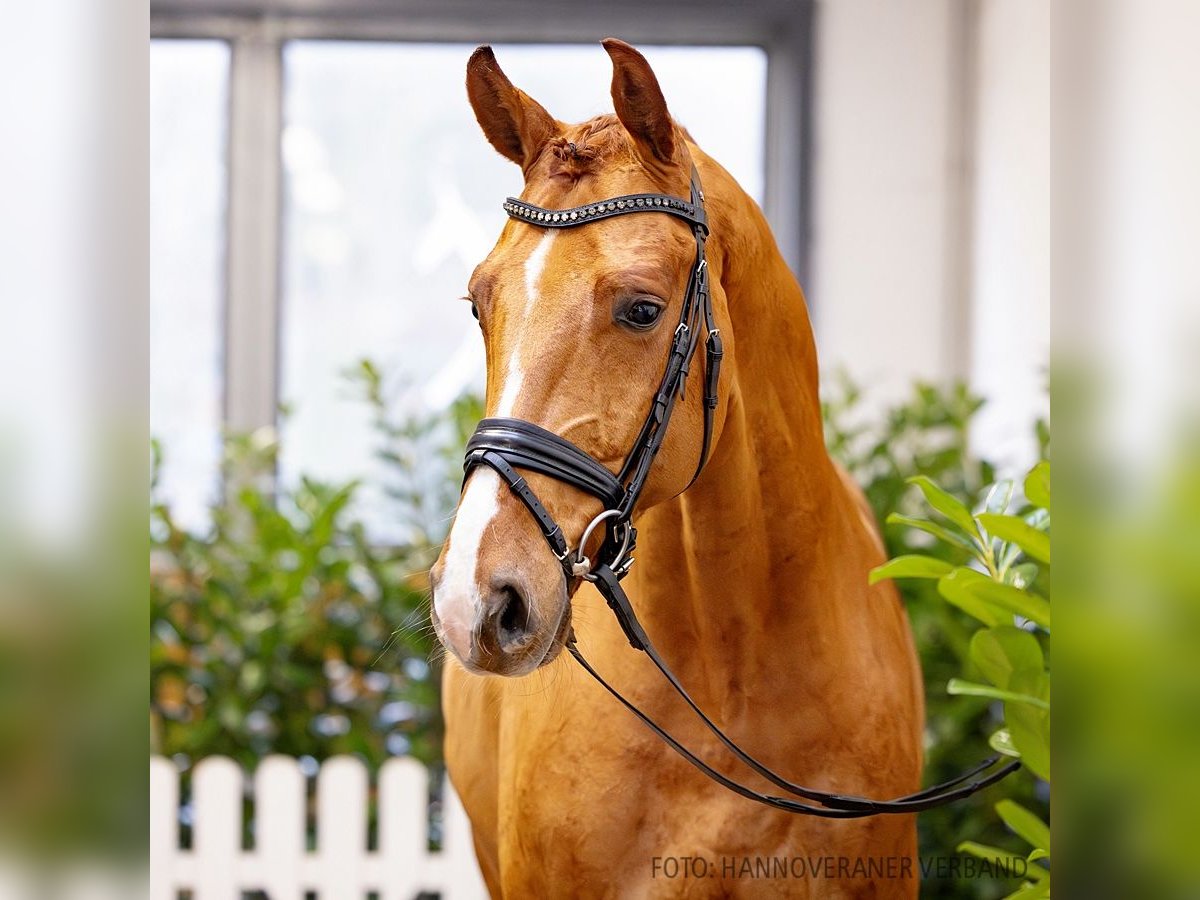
x,y
508,631
500,601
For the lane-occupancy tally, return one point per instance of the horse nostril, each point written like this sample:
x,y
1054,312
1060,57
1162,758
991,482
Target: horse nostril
x,y
512,623
507,628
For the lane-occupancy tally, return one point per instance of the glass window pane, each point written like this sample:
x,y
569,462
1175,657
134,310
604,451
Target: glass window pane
x,y
392,196
188,123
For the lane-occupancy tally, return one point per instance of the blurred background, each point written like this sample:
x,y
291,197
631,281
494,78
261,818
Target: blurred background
x,y
320,191
317,192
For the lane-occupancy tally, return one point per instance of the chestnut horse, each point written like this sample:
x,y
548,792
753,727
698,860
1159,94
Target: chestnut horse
x,y
752,582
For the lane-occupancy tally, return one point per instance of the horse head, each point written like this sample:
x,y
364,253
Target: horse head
x,y
577,324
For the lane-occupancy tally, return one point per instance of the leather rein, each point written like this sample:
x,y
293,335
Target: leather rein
x,y
508,445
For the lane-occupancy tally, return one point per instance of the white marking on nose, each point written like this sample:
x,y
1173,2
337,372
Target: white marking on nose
x,y
514,375
457,598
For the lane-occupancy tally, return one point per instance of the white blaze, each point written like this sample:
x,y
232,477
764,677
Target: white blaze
x,y
457,598
513,374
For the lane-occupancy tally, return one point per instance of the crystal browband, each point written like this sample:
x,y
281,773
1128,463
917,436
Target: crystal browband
x,y
565,218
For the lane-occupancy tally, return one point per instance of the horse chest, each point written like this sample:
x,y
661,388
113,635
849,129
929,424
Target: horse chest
x,y
570,797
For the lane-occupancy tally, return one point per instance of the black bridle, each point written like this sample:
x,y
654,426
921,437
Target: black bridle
x,y
508,445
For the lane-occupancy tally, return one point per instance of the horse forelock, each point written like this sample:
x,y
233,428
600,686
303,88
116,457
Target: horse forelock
x,y
585,148
590,147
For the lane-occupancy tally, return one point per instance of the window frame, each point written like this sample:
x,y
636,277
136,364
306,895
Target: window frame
x,y
251,305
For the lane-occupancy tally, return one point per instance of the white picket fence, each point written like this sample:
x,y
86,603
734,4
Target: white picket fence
x,y
341,867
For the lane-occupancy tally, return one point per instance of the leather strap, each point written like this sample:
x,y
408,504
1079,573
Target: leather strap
x,y
528,446
520,487
832,805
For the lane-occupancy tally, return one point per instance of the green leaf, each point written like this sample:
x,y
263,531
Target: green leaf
x,y
1039,874
1037,854
983,851
911,566
1001,742
1017,531
1021,575
1025,823
960,687
1033,890
1000,651
938,531
956,589
948,505
972,584
1037,485
998,497
1029,725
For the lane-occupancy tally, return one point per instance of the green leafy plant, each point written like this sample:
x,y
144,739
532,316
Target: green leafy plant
x,y
285,630
925,433
284,627
1004,586
884,445
420,459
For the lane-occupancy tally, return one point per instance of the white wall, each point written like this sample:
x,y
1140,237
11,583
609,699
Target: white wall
x,y
882,181
1010,249
931,213
1127,218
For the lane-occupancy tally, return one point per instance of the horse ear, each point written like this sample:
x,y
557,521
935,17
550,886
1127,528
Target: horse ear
x,y
640,104
513,122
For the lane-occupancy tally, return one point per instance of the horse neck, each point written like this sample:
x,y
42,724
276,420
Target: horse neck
x,y
745,555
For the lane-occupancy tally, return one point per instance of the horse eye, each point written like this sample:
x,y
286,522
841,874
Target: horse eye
x,y
642,314
475,311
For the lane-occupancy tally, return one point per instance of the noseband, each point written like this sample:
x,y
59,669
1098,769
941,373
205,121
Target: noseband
x,y
507,445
